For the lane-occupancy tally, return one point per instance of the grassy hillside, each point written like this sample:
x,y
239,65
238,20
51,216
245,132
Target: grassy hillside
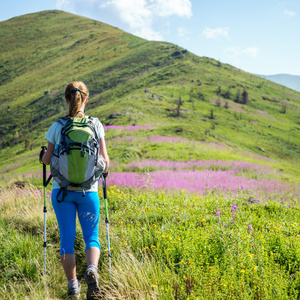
x,y
42,52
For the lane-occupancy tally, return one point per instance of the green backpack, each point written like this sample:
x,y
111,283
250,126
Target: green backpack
x,y
77,161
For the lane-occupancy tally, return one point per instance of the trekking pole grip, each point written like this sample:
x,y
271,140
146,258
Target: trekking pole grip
x,y
44,149
104,175
44,174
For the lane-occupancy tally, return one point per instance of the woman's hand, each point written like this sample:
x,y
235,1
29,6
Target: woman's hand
x,y
47,155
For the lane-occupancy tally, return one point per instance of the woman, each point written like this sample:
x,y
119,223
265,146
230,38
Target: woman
x,y
88,207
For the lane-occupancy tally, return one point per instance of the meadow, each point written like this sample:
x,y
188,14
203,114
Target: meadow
x,y
194,229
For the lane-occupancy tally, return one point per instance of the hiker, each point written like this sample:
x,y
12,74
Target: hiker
x,y
87,205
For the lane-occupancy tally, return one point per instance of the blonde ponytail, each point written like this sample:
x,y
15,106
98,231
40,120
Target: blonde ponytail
x,y
75,94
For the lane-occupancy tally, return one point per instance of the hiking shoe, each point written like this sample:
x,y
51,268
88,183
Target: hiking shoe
x,y
93,291
74,292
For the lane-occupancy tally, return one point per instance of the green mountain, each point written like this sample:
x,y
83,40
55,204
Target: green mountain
x,y
194,97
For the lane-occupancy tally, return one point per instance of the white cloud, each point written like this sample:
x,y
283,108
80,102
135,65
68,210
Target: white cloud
x,y
216,33
233,51
183,33
166,8
133,12
252,51
148,33
236,52
77,6
61,4
140,16
289,13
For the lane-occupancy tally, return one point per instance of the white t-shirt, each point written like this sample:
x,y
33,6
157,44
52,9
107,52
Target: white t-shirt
x,y
53,135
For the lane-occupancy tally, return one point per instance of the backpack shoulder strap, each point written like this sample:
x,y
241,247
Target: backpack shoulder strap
x,y
63,121
94,122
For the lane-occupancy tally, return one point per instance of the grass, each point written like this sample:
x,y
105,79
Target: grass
x,y
177,245
165,246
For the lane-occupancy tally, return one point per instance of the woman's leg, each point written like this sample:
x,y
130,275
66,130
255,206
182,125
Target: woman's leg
x,y
66,219
88,214
69,265
92,256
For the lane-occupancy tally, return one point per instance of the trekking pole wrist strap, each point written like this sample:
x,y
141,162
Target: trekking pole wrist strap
x,y
105,174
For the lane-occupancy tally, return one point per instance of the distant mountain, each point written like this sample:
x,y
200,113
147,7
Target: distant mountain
x,y
290,81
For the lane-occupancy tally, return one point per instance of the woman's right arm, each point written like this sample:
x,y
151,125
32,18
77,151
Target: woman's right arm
x,y
47,156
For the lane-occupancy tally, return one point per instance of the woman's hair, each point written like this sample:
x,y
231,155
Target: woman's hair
x,y
75,94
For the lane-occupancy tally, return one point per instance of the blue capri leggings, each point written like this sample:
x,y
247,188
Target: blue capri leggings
x,y
88,209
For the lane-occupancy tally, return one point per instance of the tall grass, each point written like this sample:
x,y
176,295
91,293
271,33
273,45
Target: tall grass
x,y
164,246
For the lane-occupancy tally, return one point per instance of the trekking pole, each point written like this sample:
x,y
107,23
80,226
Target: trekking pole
x,y
106,220
44,148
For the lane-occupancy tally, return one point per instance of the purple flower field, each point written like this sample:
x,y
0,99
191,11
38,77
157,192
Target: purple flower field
x,y
200,182
198,177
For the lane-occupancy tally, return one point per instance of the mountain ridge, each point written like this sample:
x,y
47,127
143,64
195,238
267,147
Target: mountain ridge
x,y
42,52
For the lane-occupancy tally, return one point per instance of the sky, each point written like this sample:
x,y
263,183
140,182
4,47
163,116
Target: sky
x,y
258,36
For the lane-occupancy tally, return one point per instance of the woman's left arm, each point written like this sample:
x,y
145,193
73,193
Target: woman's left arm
x,y
103,152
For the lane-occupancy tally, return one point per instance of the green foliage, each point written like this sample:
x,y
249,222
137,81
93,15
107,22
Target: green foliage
x,y
213,246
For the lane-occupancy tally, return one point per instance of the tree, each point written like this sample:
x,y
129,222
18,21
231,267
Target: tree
x,y
237,96
27,143
283,108
191,94
245,97
179,104
192,98
218,102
